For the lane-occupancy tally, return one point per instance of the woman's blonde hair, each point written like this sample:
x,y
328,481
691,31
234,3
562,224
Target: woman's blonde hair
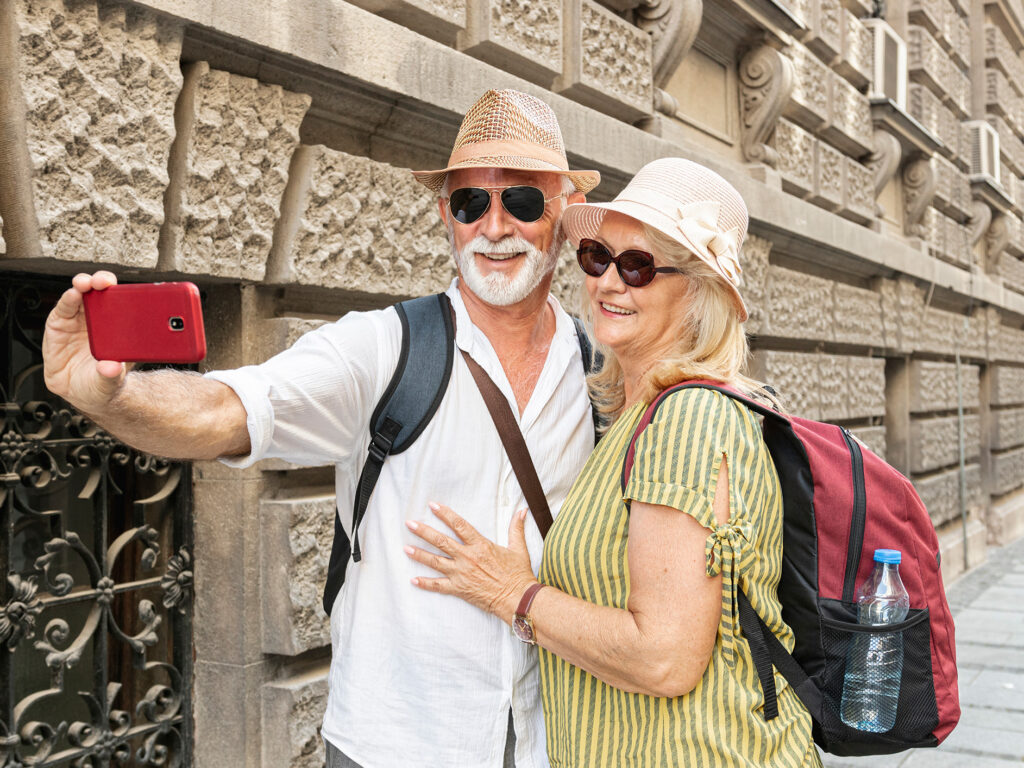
x,y
711,342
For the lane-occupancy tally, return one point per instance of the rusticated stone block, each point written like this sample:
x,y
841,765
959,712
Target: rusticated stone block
x,y
953,189
865,378
833,387
799,305
1007,385
567,282
1007,471
934,386
519,36
940,492
794,375
292,710
607,63
796,157
935,443
943,332
1006,343
926,61
855,64
229,170
1000,99
754,260
279,333
296,536
352,222
858,191
88,159
441,20
858,316
872,437
829,387
828,177
850,128
1007,429
808,101
902,300
826,33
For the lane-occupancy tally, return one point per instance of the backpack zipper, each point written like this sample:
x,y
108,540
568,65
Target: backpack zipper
x,y
857,521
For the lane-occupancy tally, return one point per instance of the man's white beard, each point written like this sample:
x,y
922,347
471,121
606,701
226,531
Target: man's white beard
x,y
497,288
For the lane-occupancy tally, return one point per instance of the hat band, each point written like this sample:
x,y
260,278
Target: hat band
x,y
508,148
649,198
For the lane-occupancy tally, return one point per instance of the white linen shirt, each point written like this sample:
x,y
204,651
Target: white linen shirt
x,y
417,678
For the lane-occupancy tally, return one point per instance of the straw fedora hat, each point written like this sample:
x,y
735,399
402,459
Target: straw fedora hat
x,y
509,129
685,201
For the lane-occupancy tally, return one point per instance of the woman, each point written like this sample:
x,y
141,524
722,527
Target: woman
x,y
643,662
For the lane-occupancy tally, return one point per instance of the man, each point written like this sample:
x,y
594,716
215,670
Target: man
x,y
416,680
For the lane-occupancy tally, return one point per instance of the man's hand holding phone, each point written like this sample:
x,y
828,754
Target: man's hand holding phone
x,y
98,326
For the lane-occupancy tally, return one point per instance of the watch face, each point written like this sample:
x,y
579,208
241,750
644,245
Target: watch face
x,y
523,629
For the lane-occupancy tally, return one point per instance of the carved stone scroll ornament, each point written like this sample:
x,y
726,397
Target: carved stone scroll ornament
x,y
884,161
981,218
996,240
919,185
673,26
766,78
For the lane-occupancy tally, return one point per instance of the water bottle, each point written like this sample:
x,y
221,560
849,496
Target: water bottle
x,y
874,663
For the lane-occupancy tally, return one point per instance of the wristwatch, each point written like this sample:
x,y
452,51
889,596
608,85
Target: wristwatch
x,y
522,625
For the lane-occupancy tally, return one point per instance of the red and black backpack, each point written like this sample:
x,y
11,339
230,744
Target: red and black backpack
x,y
841,502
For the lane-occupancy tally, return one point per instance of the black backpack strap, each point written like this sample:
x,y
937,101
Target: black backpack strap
x,y
767,650
592,360
402,413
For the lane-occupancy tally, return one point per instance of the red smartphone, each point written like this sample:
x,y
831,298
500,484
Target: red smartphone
x,y
146,323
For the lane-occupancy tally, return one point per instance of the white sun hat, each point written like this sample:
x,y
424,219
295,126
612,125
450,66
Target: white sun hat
x,y
685,201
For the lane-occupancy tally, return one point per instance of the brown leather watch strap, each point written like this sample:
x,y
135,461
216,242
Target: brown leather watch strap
x,y
527,600
515,446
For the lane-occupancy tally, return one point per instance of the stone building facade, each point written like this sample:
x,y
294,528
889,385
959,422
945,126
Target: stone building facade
x,y
262,150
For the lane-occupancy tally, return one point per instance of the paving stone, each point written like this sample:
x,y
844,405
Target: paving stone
x,y
980,655
1001,598
986,717
1004,690
989,740
986,619
930,758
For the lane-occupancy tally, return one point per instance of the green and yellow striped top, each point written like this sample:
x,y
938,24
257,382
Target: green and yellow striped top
x,y
719,723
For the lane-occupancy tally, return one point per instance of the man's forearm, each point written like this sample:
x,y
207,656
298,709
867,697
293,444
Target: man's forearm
x,y
177,414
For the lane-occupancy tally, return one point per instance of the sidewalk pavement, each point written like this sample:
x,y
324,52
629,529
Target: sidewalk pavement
x,y
988,609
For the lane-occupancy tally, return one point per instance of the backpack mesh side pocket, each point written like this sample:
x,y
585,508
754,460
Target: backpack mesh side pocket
x,y
916,711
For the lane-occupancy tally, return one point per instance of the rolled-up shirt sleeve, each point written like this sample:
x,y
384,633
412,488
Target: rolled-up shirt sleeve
x,y
311,404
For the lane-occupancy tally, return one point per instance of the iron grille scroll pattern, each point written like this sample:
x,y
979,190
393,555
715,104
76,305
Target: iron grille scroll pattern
x,y
96,606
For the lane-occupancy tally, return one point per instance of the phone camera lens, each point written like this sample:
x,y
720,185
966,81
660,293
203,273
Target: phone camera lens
x,y
176,324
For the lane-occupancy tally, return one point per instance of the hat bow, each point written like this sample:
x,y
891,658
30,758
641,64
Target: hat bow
x,y
699,224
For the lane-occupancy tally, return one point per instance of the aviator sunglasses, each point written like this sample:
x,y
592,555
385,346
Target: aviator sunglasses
x,y
636,268
525,203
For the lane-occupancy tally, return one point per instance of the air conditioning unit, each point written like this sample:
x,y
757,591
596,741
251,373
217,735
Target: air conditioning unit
x,y
984,151
889,63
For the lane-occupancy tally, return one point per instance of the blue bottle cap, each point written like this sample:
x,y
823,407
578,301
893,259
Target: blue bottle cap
x,y
888,556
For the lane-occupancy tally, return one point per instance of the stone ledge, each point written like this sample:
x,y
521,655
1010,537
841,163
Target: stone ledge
x,y
413,68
